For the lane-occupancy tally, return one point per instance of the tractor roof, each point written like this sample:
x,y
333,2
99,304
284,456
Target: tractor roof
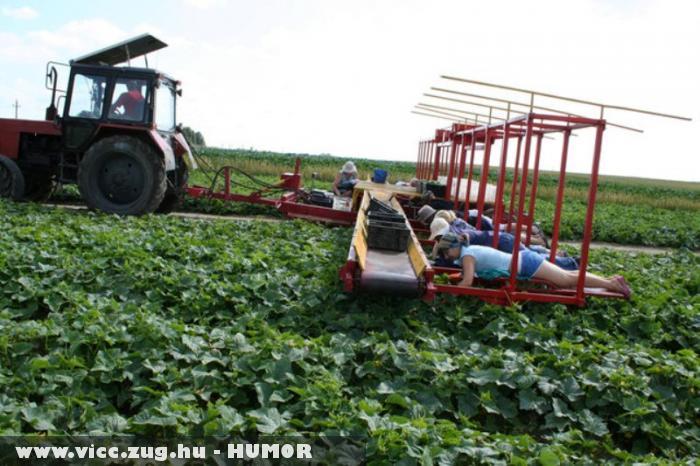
x,y
123,51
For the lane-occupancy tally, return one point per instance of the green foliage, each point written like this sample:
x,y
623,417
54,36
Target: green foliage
x,y
194,137
626,224
161,325
628,211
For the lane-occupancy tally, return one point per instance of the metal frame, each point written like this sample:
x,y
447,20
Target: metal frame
x,y
357,262
288,203
528,130
524,125
446,154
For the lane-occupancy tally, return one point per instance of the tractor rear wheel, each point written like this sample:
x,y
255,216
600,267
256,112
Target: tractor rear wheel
x,y
11,179
122,175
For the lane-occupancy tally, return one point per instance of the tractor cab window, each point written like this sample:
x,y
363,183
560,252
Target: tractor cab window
x,y
87,96
165,107
128,99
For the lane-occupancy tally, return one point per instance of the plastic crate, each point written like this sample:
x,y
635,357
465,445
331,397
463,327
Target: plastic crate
x,y
375,205
436,188
321,199
386,217
379,176
387,235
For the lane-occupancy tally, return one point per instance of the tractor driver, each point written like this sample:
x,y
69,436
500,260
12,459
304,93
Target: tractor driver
x,y
130,101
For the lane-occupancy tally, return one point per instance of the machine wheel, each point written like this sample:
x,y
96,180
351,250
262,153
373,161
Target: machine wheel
x,y
176,193
122,175
11,179
37,187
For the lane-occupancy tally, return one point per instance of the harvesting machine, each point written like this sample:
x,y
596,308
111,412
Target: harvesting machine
x,y
131,158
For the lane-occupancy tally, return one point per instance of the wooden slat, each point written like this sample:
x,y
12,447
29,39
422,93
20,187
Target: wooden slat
x,y
387,188
359,238
416,255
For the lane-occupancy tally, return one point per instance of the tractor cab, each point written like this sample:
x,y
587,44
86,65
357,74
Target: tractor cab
x,y
100,96
100,92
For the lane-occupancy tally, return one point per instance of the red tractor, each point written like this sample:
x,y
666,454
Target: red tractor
x,y
116,136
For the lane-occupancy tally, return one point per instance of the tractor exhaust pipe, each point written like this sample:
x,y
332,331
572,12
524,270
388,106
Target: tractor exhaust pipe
x,y
52,78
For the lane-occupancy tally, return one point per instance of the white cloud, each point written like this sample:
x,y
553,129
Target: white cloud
x,y
28,52
203,4
342,77
79,37
66,42
23,12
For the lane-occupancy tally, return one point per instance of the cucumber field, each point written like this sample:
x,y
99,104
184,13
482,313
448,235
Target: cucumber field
x,y
162,325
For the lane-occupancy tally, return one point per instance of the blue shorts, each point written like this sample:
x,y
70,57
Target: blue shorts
x,y
530,262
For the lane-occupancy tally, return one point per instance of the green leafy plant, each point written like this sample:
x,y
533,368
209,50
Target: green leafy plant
x,y
162,325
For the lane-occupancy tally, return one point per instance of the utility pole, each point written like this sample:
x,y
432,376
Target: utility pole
x,y
16,106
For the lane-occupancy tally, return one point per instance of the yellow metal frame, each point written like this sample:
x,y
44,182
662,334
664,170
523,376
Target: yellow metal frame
x,y
416,255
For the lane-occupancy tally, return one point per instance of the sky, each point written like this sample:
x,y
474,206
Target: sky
x,y
341,77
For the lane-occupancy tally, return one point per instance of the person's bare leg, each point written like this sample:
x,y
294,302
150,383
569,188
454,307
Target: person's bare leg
x,y
566,279
596,281
552,273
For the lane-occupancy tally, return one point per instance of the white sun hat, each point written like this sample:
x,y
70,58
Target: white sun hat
x,y
349,167
448,215
439,227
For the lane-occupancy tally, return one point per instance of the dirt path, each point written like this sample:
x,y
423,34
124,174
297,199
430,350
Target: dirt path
x,y
199,216
624,247
263,218
192,215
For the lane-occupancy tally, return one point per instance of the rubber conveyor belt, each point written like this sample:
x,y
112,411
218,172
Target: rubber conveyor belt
x,y
390,272
378,270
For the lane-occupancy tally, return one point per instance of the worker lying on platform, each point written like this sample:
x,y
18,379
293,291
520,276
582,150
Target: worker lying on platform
x,y
427,214
345,180
506,243
489,263
428,199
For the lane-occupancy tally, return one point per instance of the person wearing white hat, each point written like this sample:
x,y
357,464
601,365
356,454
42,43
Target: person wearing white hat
x,y
488,263
446,222
438,228
345,180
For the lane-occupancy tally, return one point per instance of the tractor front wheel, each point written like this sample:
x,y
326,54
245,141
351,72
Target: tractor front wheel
x,y
122,175
11,179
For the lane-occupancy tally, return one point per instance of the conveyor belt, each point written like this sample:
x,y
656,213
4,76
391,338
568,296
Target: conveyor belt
x,y
376,270
391,272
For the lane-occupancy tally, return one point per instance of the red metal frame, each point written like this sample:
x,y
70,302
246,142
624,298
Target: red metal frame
x,y
288,203
523,188
433,160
